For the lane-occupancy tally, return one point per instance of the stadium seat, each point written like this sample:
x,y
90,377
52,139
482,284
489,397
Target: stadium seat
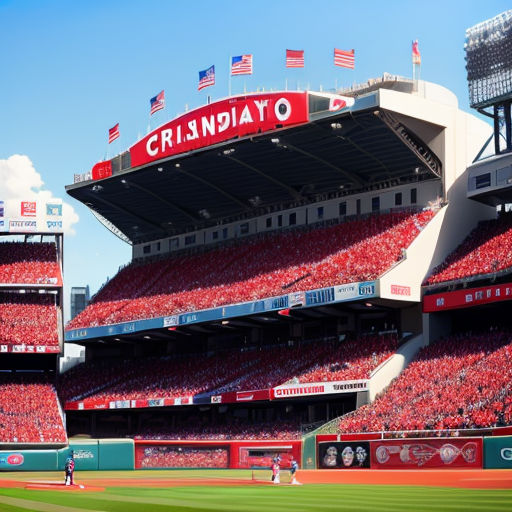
x,y
261,267
458,382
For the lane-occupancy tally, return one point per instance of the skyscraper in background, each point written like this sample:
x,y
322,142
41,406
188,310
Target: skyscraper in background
x,y
79,298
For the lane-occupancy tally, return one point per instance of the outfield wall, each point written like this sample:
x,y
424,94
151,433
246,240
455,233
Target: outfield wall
x,y
159,454
354,451
89,454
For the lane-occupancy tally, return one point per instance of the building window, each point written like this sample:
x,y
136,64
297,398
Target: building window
x,y
375,204
157,246
320,212
358,206
174,243
146,249
279,220
190,239
268,222
224,233
292,220
215,235
343,208
244,228
414,193
398,199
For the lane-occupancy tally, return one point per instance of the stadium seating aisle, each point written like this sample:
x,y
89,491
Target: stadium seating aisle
x,y
28,410
28,318
458,382
255,369
261,267
29,263
487,249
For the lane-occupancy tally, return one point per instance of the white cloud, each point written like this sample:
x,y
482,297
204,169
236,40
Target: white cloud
x,y
19,181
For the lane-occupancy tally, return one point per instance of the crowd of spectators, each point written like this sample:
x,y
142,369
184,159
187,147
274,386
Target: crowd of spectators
x,y
232,429
487,249
29,411
463,381
29,263
183,457
28,319
297,260
235,370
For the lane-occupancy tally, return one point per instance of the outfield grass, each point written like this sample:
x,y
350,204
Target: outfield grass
x,y
259,498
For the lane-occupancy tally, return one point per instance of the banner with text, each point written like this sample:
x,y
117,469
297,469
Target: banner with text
x,y
319,388
220,121
467,297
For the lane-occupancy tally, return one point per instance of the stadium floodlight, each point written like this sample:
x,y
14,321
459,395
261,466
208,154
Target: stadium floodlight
x,y
489,61
274,141
336,126
227,152
204,213
160,169
97,188
178,165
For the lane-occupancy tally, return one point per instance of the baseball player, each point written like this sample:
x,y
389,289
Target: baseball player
x,y
69,468
275,471
293,469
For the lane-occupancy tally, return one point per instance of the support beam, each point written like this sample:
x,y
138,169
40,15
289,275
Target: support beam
x,y
162,200
293,193
349,176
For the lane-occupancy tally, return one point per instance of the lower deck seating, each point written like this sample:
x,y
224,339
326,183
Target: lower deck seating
x,y
463,381
29,411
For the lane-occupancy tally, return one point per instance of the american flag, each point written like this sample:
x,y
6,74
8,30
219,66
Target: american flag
x,y
294,58
241,65
206,78
416,57
113,133
344,59
157,103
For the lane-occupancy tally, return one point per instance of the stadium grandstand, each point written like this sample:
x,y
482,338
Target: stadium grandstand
x,y
276,275
304,264
31,324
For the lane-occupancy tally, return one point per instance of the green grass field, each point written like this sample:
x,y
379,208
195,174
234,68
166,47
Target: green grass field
x,y
252,498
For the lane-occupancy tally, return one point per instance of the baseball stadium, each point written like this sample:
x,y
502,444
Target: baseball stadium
x,y
315,315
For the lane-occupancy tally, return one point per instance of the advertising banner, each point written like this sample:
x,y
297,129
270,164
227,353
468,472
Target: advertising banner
x,y
353,291
467,297
221,121
498,452
22,226
101,170
427,453
54,209
344,455
28,209
319,388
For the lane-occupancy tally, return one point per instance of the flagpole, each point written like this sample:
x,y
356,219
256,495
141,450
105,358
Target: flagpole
x,y
229,80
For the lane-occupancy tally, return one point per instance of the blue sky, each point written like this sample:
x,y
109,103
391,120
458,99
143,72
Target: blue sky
x,y
72,69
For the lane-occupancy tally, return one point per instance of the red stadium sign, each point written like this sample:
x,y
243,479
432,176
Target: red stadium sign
x,y
426,453
467,298
234,117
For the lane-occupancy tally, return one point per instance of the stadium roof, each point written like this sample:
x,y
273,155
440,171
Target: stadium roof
x,y
334,152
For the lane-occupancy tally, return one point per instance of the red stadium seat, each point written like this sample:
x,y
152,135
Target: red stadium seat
x,y
487,249
260,267
457,382
29,411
